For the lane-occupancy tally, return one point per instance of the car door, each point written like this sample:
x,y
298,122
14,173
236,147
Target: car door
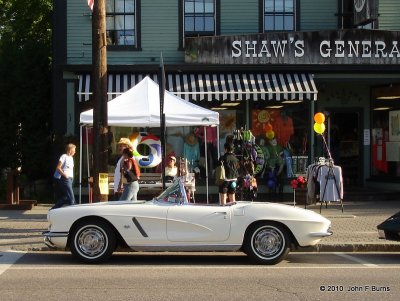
x,y
197,223
142,225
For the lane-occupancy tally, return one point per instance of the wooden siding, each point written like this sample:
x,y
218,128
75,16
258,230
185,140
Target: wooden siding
x,y
318,15
160,27
159,32
79,33
389,14
239,17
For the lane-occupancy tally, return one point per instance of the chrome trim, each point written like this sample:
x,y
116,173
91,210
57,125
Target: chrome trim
x,y
321,234
139,227
185,248
49,243
55,234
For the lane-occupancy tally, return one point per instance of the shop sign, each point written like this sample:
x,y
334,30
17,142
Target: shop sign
x,y
365,11
355,46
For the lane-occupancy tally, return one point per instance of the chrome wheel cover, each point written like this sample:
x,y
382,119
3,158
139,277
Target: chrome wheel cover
x,y
268,242
91,241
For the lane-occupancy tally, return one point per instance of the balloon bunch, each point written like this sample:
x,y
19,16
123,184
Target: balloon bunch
x,y
270,134
319,125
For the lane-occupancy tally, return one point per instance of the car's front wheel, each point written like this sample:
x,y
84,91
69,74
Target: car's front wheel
x,y
267,243
92,241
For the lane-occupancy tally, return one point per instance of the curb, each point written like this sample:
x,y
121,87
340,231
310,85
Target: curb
x,y
320,248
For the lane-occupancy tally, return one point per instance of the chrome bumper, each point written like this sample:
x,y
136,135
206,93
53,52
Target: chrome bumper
x,y
321,234
48,236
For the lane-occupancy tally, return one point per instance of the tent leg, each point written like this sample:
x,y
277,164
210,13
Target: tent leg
x,y
87,162
80,164
205,151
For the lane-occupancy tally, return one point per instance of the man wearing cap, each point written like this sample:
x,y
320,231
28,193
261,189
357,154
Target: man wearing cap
x,y
171,170
122,144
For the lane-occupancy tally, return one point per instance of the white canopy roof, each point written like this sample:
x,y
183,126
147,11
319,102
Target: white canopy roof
x,y
140,107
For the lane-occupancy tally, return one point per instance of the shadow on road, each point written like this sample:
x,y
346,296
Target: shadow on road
x,y
208,259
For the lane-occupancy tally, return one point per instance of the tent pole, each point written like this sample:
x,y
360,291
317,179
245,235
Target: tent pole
x,y
218,141
206,156
88,163
80,164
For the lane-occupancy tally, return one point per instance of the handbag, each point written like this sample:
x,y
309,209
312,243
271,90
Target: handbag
x,y
220,174
131,174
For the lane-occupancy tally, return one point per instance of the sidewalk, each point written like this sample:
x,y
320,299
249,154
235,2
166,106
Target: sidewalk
x,y
354,229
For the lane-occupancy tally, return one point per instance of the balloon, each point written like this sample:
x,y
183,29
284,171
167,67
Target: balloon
x,y
268,127
319,128
270,135
319,118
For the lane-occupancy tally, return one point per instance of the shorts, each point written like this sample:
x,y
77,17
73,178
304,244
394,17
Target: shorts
x,y
227,187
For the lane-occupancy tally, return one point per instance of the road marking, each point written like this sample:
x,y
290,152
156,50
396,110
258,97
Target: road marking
x,y
168,267
8,258
355,259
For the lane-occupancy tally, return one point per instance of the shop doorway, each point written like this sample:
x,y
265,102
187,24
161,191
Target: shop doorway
x,y
345,136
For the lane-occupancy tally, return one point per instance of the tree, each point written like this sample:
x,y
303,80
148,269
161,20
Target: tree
x,y
25,85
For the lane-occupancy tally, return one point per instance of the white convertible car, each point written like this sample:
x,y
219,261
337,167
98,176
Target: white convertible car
x,y
264,231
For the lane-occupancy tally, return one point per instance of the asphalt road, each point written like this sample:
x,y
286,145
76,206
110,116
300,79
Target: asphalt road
x,y
225,276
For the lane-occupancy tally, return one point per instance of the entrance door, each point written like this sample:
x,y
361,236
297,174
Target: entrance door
x,y
345,143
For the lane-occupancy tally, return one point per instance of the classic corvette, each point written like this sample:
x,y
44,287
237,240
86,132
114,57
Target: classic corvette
x,y
390,228
264,231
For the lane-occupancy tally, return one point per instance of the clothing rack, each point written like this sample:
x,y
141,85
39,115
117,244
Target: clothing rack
x,y
317,175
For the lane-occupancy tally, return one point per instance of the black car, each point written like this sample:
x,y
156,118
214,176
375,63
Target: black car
x,y
390,228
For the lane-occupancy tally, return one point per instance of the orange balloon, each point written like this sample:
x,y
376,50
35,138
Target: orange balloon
x,y
268,127
319,118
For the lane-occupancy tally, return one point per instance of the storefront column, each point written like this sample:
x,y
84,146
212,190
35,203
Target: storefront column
x,y
311,132
247,114
70,108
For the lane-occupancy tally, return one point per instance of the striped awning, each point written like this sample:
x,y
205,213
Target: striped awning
x,y
217,86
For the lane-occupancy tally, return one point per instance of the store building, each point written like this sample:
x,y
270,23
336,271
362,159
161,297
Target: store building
x,y
257,62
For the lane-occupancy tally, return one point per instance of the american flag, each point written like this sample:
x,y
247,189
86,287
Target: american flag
x,y
90,3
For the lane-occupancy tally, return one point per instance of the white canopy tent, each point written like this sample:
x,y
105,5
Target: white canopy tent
x,y
140,107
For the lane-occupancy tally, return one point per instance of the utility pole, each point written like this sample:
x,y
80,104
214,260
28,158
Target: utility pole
x,y
99,84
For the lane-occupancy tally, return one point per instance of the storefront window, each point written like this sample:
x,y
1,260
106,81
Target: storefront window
x,y
385,132
282,133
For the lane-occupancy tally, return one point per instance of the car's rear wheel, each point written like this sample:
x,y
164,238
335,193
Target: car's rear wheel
x,y
267,243
92,241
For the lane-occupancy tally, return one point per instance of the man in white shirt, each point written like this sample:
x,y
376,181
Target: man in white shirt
x,y
122,144
63,177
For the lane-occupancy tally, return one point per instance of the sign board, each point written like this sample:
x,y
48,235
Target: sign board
x,y
367,137
365,11
338,47
103,183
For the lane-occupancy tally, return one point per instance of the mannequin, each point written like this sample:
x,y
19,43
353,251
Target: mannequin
x,y
191,150
275,163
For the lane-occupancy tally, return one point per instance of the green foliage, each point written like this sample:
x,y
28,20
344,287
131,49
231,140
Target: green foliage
x,y
25,85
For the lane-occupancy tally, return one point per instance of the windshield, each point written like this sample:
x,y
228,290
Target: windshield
x,y
173,194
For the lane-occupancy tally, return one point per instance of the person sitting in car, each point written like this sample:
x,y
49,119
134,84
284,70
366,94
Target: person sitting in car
x,y
171,170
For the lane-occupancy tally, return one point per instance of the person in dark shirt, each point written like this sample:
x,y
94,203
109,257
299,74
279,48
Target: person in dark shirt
x,y
231,166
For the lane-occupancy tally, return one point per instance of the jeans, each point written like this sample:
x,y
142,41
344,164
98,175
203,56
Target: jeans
x,y
64,192
130,191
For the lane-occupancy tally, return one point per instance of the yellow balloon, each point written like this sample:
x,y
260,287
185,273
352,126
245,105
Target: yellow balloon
x,y
319,118
319,128
270,135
